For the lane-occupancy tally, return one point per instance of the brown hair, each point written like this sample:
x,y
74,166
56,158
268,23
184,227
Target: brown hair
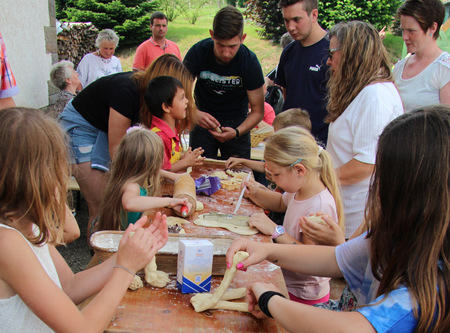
x,y
408,213
308,5
138,159
425,12
285,146
34,172
170,65
228,23
364,61
292,117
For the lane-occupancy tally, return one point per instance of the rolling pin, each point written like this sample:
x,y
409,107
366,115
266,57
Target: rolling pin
x,y
184,187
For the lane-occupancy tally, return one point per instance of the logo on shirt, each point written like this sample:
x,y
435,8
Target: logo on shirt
x,y
315,68
226,81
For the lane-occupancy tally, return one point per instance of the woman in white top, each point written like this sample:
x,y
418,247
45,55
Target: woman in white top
x,y
424,77
362,100
101,62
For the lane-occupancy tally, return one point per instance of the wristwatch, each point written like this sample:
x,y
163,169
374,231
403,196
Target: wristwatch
x,y
279,230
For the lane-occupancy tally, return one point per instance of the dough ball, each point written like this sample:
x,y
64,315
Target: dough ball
x,y
136,283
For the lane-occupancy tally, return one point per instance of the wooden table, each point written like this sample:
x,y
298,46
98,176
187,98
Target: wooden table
x,y
168,310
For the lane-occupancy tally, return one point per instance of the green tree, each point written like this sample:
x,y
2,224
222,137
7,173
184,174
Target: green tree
x,y
130,19
268,15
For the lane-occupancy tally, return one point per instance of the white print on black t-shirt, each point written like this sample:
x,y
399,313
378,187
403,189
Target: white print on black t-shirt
x,y
315,69
221,80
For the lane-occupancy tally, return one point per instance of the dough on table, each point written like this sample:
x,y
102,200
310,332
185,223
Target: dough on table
x,y
154,277
234,224
220,175
218,300
199,206
174,220
136,283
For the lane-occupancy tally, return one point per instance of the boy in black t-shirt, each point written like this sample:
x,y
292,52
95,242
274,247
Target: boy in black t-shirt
x,y
229,76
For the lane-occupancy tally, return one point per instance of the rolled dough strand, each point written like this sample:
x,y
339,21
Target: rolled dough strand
x,y
234,294
202,302
235,306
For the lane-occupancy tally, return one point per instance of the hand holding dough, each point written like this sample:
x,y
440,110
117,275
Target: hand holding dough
x,y
202,302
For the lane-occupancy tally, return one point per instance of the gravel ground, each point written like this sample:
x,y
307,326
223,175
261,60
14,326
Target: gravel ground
x,y
78,253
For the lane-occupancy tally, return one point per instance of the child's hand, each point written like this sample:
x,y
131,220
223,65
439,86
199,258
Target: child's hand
x,y
232,162
253,293
252,187
193,157
138,248
261,222
329,234
178,202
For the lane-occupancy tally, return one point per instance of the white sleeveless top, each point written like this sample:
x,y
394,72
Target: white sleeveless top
x,y
15,316
424,88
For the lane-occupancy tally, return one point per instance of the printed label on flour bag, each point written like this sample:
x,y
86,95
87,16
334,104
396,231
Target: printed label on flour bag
x,y
194,265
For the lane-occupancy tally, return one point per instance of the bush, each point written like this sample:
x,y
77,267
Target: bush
x,y
130,19
268,15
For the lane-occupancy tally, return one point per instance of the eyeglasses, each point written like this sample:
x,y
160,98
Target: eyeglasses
x,y
331,52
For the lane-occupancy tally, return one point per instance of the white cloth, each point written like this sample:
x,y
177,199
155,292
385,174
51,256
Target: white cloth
x,y
92,67
354,135
15,315
306,286
424,88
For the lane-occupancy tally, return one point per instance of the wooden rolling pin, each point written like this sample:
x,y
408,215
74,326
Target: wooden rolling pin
x,y
184,187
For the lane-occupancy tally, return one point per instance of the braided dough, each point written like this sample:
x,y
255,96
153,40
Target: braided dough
x,y
219,300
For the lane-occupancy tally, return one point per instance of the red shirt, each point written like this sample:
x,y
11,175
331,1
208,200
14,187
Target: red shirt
x,y
171,140
149,51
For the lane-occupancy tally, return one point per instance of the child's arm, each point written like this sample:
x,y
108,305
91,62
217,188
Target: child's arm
x,y
254,165
23,274
297,317
133,202
261,222
267,199
71,228
189,158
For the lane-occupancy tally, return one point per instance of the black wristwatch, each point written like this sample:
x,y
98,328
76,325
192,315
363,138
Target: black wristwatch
x,y
237,132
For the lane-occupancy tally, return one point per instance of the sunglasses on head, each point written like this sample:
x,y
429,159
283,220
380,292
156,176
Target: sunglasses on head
x,y
331,52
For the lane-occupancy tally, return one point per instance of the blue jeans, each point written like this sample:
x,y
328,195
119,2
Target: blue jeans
x,y
86,142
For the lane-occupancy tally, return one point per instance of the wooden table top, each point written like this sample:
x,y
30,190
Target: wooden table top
x,y
168,310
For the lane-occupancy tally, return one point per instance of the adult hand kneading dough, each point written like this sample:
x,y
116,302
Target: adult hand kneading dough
x,y
202,302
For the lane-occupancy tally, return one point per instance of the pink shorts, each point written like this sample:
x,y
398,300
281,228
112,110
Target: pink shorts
x,y
309,301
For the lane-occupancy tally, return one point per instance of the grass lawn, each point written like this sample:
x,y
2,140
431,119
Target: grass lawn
x,y
186,34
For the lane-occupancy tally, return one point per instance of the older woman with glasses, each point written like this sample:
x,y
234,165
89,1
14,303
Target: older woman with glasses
x,y
101,62
362,100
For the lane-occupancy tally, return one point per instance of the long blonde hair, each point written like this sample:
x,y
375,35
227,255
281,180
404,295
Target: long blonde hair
x,y
167,65
289,144
363,61
34,172
139,158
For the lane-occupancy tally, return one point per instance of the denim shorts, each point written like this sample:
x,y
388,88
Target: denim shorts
x,y
86,142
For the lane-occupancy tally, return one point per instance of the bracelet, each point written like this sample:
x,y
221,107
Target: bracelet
x,y
264,299
237,132
125,269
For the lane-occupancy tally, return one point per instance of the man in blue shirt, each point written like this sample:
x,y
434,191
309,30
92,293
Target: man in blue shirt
x,y
302,70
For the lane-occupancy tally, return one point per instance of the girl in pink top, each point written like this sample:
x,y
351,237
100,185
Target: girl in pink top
x,y
306,173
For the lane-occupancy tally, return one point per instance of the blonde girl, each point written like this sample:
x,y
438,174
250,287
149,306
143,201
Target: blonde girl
x,y
400,269
306,173
38,291
133,181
